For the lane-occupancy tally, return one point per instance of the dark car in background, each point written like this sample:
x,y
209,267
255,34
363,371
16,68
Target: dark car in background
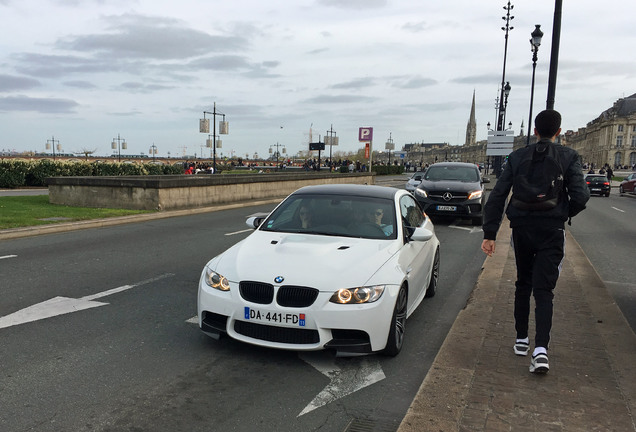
x,y
414,181
598,184
628,185
454,189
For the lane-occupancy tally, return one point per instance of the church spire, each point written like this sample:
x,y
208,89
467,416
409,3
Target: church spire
x,y
471,128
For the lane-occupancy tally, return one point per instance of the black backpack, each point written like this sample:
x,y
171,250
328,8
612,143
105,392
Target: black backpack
x,y
538,182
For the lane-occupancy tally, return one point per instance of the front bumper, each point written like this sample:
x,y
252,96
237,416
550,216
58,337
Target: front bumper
x,y
348,329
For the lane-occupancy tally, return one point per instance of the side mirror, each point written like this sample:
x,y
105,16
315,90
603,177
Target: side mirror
x,y
254,221
421,234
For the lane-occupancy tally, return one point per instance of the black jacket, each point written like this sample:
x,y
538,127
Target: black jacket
x,y
574,196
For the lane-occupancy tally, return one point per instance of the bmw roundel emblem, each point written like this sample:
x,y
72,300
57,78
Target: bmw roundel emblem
x,y
279,279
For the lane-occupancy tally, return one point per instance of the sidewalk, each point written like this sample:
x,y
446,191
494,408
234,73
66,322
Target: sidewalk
x,y
477,383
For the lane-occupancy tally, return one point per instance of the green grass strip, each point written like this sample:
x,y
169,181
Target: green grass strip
x,y
23,211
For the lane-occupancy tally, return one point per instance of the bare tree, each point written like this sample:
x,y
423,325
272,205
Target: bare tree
x,y
86,152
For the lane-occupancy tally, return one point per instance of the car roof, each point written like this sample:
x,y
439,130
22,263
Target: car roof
x,y
372,191
466,164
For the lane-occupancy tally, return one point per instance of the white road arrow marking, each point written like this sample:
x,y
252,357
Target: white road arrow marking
x,y
8,256
361,373
343,381
64,305
472,229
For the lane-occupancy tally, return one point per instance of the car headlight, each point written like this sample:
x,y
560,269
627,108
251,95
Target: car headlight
x,y
421,192
475,194
357,295
215,280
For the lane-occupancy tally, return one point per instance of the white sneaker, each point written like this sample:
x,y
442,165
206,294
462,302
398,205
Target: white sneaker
x,y
539,364
521,348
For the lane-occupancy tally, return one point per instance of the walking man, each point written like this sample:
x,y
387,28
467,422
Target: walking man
x,y
538,228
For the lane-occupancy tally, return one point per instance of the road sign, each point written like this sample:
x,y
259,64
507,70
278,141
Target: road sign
x,y
500,143
365,134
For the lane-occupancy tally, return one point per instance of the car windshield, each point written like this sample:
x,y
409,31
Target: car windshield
x,y
453,173
334,215
596,178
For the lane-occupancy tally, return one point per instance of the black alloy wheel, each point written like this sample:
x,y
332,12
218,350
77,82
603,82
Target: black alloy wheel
x,y
432,285
398,325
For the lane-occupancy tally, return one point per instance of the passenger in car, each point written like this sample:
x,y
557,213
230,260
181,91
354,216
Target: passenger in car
x,y
375,216
305,216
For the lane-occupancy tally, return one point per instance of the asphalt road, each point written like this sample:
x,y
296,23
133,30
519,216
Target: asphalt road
x,y
607,233
125,355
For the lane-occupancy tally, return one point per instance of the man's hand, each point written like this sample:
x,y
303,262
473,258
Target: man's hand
x,y
488,246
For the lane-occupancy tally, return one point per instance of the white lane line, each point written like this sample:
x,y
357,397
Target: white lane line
x,y
65,305
125,287
8,256
617,209
239,232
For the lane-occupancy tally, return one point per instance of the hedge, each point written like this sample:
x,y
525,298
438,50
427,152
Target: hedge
x,y
16,173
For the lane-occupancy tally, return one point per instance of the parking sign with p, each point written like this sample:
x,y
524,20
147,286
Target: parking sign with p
x,y
365,134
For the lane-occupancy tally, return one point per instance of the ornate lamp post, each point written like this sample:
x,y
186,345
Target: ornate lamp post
x,y
52,143
535,41
204,127
277,152
331,140
502,108
390,146
153,151
118,145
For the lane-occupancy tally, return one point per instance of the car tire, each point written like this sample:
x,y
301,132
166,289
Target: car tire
x,y
607,194
432,284
398,325
478,221
620,190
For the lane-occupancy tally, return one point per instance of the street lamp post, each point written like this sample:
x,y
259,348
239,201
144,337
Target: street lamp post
x,y
52,144
204,127
277,152
153,151
502,108
390,146
535,41
332,140
120,144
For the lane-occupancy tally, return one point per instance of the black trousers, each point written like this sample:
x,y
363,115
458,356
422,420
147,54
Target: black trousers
x,y
539,253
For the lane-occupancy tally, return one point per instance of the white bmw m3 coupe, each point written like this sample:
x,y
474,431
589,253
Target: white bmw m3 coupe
x,y
337,267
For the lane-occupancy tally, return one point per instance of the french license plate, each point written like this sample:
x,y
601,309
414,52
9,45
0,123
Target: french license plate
x,y
446,208
596,189
290,319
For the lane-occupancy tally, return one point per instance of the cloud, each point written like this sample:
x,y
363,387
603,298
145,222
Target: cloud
x,y
139,87
80,84
340,99
10,83
355,84
54,66
145,37
416,27
413,82
354,4
41,105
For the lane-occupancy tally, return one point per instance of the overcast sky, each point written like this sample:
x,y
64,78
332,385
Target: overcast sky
x,y
86,71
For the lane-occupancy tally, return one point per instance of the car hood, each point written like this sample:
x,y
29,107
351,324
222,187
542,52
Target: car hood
x,y
322,262
446,185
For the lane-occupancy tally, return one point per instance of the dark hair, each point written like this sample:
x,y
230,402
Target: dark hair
x,y
547,123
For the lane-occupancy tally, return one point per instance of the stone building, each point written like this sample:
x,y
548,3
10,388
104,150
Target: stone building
x,y
610,139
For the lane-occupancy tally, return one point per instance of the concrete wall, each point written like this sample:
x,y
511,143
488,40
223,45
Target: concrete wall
x,y
185,191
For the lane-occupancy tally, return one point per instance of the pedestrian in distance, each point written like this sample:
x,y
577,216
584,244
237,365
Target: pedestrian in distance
x,y
538,226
